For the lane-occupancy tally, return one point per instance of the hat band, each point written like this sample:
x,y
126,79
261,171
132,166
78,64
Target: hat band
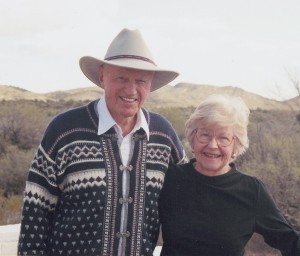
x,y
130,57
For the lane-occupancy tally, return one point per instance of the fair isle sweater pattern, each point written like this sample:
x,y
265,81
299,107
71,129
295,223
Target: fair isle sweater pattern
x,y
73,198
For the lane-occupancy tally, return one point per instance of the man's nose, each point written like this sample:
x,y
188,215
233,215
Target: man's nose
x,y
130,86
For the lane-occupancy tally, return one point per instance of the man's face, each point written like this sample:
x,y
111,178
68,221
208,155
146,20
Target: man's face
x,y
125,91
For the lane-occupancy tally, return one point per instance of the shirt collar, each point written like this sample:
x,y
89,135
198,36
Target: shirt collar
x,y
106,121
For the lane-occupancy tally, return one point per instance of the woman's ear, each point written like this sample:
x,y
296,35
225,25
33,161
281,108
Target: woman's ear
x,y
192,147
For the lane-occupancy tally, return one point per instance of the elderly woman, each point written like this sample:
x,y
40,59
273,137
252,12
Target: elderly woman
x,y
207,206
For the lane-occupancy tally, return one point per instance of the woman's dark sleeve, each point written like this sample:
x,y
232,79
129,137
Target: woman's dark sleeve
x,y
272,225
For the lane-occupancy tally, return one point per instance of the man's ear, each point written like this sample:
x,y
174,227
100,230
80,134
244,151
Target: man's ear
x,y
100,77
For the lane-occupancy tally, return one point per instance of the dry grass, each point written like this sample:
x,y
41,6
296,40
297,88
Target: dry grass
x,y
10,209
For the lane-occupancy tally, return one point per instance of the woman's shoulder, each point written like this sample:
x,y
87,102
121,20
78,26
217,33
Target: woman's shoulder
x,y
181,166
179,170
246,178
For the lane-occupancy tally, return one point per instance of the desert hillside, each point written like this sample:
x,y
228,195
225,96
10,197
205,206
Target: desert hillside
x,y
180,95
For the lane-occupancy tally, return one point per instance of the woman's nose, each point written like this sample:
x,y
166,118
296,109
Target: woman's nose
x,y
213,142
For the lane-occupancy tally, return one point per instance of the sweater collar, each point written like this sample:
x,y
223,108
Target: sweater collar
x,y
106,121
217,178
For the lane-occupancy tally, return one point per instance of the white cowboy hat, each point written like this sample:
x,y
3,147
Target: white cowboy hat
x,y
128,50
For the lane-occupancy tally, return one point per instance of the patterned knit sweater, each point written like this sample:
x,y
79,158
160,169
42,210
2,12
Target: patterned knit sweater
x,y
73,196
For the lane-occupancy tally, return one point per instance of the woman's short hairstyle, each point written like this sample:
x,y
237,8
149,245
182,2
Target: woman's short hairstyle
x,y
221,111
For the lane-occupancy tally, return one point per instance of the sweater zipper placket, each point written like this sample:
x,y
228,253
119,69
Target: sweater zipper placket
x,y
125,200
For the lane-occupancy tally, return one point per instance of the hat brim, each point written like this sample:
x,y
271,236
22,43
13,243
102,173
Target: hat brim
x,y
90,67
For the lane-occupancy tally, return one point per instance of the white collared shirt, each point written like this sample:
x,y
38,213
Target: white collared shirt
x,y
125,143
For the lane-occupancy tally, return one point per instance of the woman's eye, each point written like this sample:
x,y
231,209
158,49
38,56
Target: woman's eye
x,y
224,138
204,135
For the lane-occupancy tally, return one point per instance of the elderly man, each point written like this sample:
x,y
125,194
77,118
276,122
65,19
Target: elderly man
x,y
95,180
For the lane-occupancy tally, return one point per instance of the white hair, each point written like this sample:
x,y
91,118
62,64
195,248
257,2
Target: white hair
x,y
222,111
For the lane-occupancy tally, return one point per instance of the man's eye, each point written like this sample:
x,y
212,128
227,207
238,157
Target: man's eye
x,y
121,79
141,82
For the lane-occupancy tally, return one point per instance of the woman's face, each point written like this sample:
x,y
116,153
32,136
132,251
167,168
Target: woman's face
x,y
213,149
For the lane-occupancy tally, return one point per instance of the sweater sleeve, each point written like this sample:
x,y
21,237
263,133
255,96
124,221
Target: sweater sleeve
x,y
159,125
272,225
40,198
178,155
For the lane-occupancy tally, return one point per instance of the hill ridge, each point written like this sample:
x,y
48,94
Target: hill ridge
x,y
180,95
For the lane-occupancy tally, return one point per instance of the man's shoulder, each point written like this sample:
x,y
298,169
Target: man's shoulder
x,y
75,112
155,118
81,116
151,113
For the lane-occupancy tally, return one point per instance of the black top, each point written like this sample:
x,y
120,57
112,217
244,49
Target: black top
x,y
204,215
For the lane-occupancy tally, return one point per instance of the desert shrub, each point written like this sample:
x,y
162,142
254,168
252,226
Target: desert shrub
x,y
10,209
14,166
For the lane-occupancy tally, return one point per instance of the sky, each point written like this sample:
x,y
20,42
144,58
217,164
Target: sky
x,y
253,45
